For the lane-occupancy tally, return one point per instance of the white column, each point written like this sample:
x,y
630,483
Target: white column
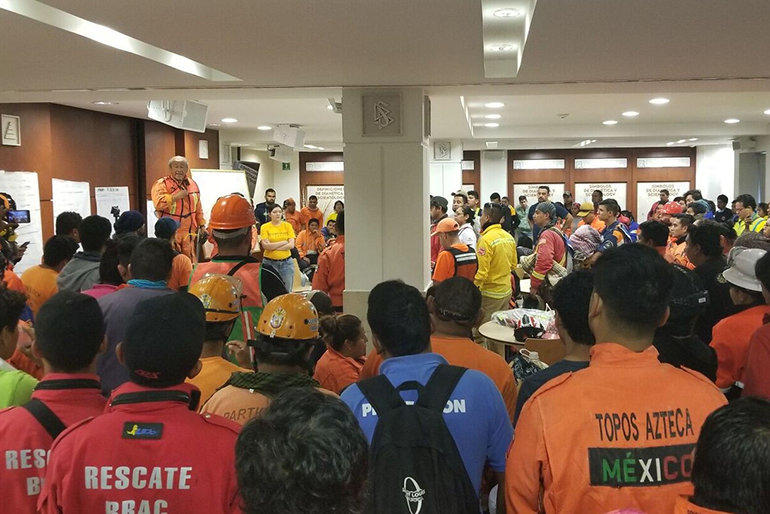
x,y
386,191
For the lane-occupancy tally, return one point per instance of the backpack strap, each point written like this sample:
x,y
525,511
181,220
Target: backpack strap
x,y
234,269
441,386
45,416
381,394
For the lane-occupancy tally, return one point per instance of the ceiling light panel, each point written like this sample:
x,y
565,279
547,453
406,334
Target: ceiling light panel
x,y
505,27
63,20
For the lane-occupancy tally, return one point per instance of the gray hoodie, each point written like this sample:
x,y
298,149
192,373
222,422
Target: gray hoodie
x,y
80,273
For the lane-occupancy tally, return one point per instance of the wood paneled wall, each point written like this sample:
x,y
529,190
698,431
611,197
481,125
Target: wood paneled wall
x,y
103,149
630,174
318,178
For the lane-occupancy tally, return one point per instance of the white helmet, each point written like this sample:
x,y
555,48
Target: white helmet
x,y
741,272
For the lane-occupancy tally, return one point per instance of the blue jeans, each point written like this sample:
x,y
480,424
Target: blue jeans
x,y
285,270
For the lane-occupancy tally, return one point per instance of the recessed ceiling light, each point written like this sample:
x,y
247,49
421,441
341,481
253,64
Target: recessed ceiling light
x,y
732,121
681,141
493,116
610,122
659,101
214,125
630,114
767,112
102,102
508,12
494,105
505,47
670,143
491,125
312,147
329,107
264,127
594,140
319,147
693,139
229,120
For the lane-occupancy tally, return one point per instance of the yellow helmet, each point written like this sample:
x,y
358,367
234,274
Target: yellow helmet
x,y
289,316
220,296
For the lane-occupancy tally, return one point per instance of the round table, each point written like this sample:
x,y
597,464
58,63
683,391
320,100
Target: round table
x,y
499,333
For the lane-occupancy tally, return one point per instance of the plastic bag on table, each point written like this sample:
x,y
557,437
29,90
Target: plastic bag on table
x,y
527,323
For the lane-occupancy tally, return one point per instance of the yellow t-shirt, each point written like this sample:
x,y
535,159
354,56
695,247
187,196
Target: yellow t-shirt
x,y
275,234
40,285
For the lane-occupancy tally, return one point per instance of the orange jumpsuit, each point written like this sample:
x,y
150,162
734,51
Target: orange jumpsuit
x,y
330,276
187,211
619,434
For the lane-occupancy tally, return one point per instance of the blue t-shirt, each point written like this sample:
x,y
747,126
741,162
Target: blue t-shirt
x,y
475,413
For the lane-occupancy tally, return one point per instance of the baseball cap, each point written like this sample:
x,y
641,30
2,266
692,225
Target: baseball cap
x,y
166,227
688,296
741,272
585,208
439,201
164,339
129,221
672,208
446,225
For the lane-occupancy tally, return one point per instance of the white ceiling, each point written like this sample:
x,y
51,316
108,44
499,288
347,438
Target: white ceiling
x,y
590,59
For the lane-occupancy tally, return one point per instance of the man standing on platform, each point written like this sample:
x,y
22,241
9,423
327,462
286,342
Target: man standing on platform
x,y
177,196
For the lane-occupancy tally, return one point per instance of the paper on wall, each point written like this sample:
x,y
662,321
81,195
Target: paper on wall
x,y
109,197
23,187
68,195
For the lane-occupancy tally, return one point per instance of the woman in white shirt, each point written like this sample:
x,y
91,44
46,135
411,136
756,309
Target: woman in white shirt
x,y
464,217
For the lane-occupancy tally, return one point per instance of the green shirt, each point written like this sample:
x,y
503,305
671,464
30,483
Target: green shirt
x,y
15,388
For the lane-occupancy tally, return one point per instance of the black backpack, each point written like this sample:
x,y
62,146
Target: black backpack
x,y
415,465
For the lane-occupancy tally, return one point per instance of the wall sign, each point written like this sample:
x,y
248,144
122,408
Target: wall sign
x,y
10,127
530,191
663,162
382,115
586,164
442,151
538,164
325,166
647,193
327,196
614,190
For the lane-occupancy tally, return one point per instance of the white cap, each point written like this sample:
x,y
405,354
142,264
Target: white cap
x,y
741,272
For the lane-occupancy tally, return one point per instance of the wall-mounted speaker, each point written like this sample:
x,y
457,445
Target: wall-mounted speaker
x,y
181,114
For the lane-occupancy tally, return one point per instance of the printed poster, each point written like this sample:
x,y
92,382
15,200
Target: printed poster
x,y
614,190
647,193
327,196
112,197
71,196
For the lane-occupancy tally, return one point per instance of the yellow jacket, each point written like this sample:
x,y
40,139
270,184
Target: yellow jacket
x,y
496,254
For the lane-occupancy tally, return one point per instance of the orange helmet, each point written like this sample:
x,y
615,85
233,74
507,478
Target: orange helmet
x,y
220,296
289,316
231,212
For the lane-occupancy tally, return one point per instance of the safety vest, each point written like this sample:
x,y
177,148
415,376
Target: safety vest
x,y
249,272
466,263
177,209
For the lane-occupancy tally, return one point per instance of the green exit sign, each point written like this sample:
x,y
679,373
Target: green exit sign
x,y
285,166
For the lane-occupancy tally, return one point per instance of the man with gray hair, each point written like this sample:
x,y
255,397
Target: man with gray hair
x,y
177,196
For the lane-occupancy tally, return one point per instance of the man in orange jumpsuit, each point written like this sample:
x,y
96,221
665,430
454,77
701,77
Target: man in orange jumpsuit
x,y
620,433
177,195
330,276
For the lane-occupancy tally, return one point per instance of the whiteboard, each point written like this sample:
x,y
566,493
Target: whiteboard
x,y
216,183
23,187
